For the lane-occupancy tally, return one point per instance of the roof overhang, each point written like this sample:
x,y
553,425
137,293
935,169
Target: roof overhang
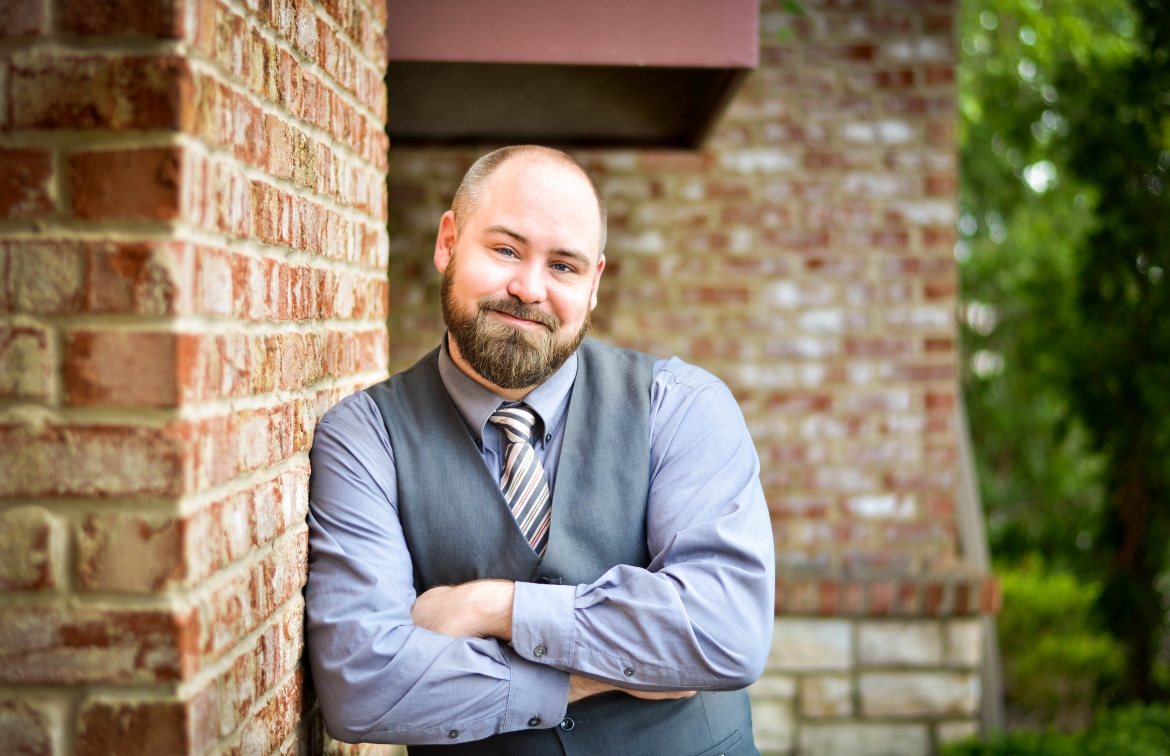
x,y
645,73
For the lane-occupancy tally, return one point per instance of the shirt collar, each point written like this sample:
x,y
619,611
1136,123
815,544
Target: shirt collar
x,y
476,403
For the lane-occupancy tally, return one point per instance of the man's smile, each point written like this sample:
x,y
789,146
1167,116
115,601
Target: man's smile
x,y
516,320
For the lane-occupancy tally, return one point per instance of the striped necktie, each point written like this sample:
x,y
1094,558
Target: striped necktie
x,y
524,484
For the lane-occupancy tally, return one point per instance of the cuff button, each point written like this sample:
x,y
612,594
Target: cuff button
x,y
534,722
453,734
628,672
539,651
567,724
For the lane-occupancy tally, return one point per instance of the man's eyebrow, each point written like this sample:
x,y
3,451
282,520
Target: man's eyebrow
x,y
508,232
579,257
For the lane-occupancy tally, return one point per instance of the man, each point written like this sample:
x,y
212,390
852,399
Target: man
x,y
530,542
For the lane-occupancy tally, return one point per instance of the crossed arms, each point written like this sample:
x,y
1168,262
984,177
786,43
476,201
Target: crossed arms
x,y
492,656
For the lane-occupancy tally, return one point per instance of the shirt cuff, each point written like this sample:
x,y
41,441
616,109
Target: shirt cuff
x,y
538,696
542,623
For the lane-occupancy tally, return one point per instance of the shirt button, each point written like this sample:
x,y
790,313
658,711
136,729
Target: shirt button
x,y
453,734
548,438
534,722
539,651
567,724
628,672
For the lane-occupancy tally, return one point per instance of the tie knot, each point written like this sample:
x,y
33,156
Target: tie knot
x,y
517,420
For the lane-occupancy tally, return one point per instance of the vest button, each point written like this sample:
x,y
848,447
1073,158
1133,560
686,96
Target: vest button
x,y
453,734
567,724
534,722
628,672
539,651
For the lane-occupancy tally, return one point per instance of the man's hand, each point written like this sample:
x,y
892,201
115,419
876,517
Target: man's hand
x,y
480,609
483,609
583,687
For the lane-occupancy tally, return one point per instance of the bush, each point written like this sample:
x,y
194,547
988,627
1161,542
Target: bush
x,y
1055,658
1131,731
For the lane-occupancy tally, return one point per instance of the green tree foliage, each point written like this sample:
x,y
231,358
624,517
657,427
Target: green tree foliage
x,y
1055,657
1130,731
1065,139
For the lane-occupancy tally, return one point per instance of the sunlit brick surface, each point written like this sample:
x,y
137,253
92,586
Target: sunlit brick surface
x,y
192,270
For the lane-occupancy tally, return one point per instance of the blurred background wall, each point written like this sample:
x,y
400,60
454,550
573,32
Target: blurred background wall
x,y
805,256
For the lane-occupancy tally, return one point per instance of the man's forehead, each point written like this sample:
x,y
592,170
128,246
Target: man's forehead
x,y
537,169
536,187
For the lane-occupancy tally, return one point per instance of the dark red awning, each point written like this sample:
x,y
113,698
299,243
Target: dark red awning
x,y
571,72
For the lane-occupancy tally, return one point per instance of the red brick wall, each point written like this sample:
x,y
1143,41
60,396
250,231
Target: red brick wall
x,y
192,269
804,256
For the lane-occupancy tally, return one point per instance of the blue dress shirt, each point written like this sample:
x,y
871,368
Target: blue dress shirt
x,y
698,617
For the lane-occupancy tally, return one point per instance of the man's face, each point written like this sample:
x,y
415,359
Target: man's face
x,y
520,279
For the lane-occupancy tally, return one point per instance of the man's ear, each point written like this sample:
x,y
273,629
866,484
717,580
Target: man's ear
x,y
596,283
445,241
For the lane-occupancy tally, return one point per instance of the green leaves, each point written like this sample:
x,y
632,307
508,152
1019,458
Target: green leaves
x,y
1065,223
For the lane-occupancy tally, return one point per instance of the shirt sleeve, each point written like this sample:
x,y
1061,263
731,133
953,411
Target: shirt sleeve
x,y
700,616
379,677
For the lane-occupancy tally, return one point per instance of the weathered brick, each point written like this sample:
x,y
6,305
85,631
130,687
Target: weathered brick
x,y
807,644
773,725
94,644
121,368
87,92
130,553
899,644
155,173
25,182
918,694
25,362
110,727
32,549
29,727
856,739
22,18
57,460
139,360
98,18
964,642
826,696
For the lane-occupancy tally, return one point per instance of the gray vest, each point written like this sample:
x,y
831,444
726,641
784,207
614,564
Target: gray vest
x,y
458,528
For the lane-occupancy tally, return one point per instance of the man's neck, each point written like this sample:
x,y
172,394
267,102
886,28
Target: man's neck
x,y
512,395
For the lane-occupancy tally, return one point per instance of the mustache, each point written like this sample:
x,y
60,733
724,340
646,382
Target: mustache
x,y
523,311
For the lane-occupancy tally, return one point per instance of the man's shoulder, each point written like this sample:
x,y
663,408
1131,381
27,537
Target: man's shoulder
x,y
355,414
674,372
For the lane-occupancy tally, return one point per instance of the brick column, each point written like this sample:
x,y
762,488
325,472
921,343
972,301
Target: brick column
x,y
192,269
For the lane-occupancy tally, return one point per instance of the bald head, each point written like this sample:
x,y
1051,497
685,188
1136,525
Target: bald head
x,y
478,177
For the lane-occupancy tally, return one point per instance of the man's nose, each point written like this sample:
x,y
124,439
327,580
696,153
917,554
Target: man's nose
x,y
527,283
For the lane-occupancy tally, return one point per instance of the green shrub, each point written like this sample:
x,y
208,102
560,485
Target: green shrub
x,y
1130,731
1055,657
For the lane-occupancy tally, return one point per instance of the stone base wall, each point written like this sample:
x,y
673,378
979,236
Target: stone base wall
x,y
868,687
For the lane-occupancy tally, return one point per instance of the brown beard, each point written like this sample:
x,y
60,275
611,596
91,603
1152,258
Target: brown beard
x,y
509,356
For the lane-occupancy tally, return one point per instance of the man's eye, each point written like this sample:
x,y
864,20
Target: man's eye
x,y
562,268
506,251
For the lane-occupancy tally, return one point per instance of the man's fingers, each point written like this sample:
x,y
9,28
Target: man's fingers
x,y
670,694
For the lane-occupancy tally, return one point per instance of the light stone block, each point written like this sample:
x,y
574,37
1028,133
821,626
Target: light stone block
x,y
826,696
914,694
965,643
917,644
811,645
840,739
773,686
953,732
773,726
